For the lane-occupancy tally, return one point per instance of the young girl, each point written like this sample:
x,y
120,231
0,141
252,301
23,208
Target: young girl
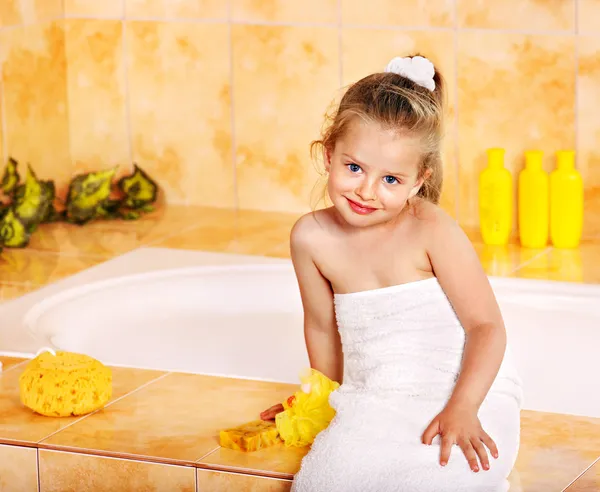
x,y
398,309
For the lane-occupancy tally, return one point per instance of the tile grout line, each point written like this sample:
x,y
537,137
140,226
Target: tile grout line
x,y
530,260
566,33
581,474
576,56
340,44
126,88
3,116
39,478
236,195
456,129
105,406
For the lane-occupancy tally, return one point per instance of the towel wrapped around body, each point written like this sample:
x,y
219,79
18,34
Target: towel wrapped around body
x,y
403,348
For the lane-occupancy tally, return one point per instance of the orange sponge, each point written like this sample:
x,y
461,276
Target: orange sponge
x,y
251,436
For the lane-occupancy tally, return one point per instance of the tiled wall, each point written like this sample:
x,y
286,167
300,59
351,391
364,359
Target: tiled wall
x,y
219,100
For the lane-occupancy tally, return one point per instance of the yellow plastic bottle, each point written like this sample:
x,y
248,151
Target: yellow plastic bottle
x,y
566,202
495,200
534,206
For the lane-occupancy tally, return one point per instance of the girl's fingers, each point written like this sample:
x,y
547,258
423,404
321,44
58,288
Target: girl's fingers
x,y
489,442
470,454
481,452
447,443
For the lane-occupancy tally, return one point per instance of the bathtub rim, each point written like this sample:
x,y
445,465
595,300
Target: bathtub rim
x,y
587,292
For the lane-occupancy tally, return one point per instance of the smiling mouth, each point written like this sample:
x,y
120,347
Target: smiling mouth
x,y
359,208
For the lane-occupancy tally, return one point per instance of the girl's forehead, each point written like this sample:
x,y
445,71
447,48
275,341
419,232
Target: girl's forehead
x,y
372,145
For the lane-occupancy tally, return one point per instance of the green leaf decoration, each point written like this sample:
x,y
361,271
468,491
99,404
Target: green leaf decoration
x,y
33,200
139,189
11,177
13,233
88,195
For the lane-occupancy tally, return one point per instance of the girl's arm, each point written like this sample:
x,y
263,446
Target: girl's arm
x,y
320,329
459,271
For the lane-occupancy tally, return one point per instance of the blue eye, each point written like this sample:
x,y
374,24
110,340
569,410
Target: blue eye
x,y
390,180
354,167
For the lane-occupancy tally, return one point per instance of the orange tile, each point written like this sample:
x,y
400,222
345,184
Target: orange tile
x,y
46,10
10,13
276,461
589,482
490,62
18,469
180,9
528,15
12,291
504,261
274,168
318,11
554,450
34,75
179,80
96,84
32,267
588,158
8,362
365,51
439,13
19,424
225,482
93,8
67,471
589,16
567,265
175,420
108,238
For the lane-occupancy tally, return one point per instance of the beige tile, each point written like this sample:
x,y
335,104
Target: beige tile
x,y
44,10
284,79
12,291
171,420
530,15
567,265
589,15
35,99
96,84
93,8
32,267
554,450
589,482
112,237
10,13
209,481
317,11
500,78
8,362
173,9
19,424
437,13
18,469
588,159
179,81
278,461
365,51
245,232
66,472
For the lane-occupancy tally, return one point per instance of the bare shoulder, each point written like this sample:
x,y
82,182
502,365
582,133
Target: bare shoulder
x,y
311,229
432,222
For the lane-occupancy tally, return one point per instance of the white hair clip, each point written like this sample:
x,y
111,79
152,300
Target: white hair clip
x,y
417,68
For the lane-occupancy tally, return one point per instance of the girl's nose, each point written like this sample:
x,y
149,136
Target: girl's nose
x,y
366,191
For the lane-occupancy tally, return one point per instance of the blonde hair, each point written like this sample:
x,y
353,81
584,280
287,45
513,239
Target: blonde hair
x,y
397,103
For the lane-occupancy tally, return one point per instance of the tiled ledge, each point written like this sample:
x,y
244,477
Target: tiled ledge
x,y
161,426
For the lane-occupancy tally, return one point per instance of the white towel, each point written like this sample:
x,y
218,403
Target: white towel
x,y
403,347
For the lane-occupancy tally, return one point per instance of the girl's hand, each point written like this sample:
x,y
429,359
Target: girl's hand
x,y
270,413
461,426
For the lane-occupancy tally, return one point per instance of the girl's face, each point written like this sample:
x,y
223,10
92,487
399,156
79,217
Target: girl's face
x,y
372,173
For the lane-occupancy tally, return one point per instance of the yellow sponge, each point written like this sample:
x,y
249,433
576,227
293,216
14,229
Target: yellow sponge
x,y
252,436
65,384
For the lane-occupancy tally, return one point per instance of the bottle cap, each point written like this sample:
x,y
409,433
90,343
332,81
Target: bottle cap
x,y
495,157
534,159
565,159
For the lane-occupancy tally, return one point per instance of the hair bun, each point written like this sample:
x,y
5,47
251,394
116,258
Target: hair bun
x,y
416,68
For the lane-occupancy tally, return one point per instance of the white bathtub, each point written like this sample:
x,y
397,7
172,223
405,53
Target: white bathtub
x,y
246,321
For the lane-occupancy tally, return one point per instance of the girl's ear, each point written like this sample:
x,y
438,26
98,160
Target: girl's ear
x,y
417,186
327,159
